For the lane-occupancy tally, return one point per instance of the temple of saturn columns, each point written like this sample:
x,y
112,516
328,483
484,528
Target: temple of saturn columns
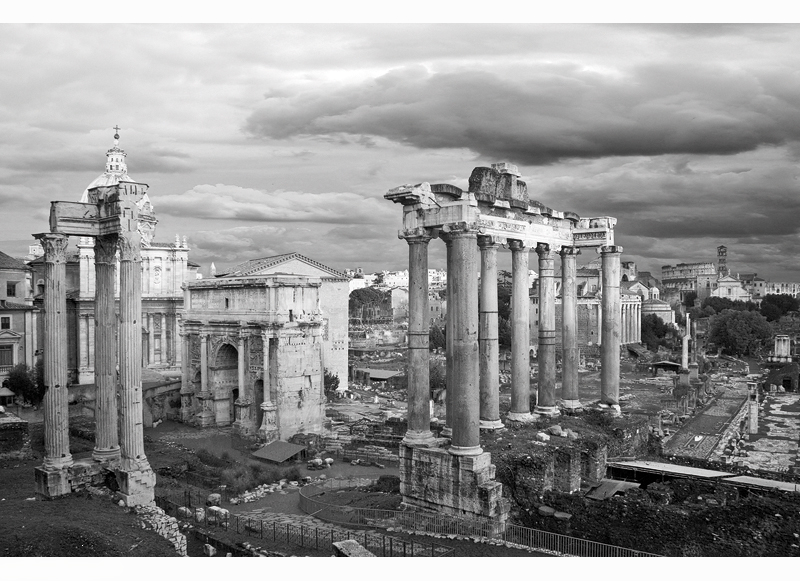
x,y
114,216
452,474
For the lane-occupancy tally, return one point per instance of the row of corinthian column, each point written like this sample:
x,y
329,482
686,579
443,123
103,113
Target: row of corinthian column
x,y
119,431
472,401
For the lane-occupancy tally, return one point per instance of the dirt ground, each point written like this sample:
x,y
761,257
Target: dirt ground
x,y
76,526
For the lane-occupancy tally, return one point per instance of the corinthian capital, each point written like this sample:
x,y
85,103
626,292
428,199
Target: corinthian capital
x,y
130,247
105,249
55,247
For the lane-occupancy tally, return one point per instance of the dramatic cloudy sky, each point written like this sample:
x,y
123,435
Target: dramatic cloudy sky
x,y
263,139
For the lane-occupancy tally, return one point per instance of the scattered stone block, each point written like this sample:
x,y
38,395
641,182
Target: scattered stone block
x,y
542,437
555,430
184,512
565,516
213,499
209,551
546,511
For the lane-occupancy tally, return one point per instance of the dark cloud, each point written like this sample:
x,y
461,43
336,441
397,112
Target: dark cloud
x,y
552,111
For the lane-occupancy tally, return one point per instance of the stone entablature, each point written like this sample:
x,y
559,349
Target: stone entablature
x,y
253,355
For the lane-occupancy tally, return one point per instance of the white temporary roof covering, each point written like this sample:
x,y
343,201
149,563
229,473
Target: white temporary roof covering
x,y
662,467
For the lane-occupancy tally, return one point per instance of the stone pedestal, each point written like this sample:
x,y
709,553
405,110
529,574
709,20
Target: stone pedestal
x,y
51,482
244,426
268,432
136,484
694,374
463,486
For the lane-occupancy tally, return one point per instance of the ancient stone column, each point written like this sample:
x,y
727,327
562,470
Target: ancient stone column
x,y
685,344
151,338
520,333
546,400
204,363
569,328
466,398
56,413
106,445
162,358
419,411
187,392
611,308
448,332
489,345
241,365
268,430
136,478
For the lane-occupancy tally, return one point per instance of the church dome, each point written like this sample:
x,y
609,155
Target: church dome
x,y
116,169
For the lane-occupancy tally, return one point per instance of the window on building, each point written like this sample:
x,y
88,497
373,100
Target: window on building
x,y
6,355
5,322
11,289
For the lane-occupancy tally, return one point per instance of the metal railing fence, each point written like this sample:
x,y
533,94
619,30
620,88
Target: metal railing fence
x,y
311,503
306,536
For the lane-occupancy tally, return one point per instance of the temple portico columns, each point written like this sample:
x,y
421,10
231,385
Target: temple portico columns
x,y
162,358
465,403
106,446
448,335
489,345
56,414
419,413
610,331
569,328
520,333
130,352
546,399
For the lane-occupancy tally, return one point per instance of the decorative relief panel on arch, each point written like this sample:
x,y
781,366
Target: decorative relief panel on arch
x,y
194,348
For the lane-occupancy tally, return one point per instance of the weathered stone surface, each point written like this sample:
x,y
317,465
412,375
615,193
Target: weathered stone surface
x,y
546,511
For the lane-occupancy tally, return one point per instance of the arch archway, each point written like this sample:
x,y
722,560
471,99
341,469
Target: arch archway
x,y
223,381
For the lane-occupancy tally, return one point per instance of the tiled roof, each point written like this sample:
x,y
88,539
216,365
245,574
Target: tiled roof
x,y
9,306
7,261
249,267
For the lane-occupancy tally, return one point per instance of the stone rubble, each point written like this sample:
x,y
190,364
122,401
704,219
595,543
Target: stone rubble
x,y
155,519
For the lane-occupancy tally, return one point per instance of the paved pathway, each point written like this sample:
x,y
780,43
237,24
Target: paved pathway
x,y
701,434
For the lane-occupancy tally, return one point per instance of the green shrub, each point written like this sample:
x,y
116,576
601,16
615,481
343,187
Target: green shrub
x,y
210,459
292,474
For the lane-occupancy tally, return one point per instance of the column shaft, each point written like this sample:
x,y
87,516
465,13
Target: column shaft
x,y
56,413
265,374
204,362
465,404
419,414
151,338
609,350
130,353
520,333
546,400
106,446
569,328
162,358
448,335
488,337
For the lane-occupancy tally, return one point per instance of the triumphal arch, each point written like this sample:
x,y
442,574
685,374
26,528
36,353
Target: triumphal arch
x,y
116,216
452,474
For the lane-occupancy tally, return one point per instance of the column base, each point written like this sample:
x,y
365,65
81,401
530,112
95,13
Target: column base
x,y
447,432
57,463
547,411
492,425
465,451
521,417
612,409
571,404
106,454
136,485
51,482
424,438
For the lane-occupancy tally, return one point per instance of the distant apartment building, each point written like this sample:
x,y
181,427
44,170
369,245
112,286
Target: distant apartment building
x,y
18,316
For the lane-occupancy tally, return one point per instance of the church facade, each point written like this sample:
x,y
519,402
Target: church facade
x,y
165,268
